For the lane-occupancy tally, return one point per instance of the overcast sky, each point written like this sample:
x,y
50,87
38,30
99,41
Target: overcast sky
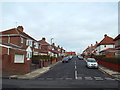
x,y
73,26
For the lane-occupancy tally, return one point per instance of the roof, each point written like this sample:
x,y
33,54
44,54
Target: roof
x,y
116,38
43,42
108,49
70,52
106,40
25,34
16,31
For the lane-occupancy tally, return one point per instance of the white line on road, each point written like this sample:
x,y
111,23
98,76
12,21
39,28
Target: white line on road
x,y
75,74
75,67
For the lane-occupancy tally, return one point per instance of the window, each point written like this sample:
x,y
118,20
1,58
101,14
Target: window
x,y
36,45
104,45
19,58
29,42
35,53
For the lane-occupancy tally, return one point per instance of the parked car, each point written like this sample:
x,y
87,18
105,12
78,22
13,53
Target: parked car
x,y
69,57
91,63
65,60
80,57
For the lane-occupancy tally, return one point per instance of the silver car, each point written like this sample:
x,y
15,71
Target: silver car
x,y
91,63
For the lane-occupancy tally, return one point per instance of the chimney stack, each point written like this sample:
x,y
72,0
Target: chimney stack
x,y
20,28
105,35
43,39
53,44
96,42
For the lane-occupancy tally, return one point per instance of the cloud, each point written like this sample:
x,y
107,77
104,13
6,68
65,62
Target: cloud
x,y
73,26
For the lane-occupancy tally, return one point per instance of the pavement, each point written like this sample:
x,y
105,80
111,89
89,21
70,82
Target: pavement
x,y
109,71
33,74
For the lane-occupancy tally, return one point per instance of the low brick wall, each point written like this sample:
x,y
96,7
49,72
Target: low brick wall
x,y
109,65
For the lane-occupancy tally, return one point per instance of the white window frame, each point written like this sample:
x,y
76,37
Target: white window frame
x,y
29,43
16,59
36,45
22,40
29,54
36,53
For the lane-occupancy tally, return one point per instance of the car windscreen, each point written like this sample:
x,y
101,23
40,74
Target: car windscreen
x,y
91,61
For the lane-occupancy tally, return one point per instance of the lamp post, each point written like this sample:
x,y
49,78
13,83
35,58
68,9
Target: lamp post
x,y
51,40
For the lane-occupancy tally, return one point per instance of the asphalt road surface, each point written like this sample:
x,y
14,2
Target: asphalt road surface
x,y
73,74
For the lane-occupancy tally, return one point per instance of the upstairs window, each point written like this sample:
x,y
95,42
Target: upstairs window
x,y
29,43
36,45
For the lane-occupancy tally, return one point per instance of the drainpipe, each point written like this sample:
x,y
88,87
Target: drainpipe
x,y
8,38
8,51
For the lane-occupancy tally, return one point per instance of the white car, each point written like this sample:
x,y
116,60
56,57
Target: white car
x,y
91,63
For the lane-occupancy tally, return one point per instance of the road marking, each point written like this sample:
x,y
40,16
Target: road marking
x,y
88,78
49,78
59,78
98,78
68,78
75,67
75,74
107,78
41,78
117,79
79,78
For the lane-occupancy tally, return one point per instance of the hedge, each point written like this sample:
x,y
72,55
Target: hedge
x,y
43,57
114,60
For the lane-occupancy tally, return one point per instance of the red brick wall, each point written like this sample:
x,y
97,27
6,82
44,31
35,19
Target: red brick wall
x,y
109,65
8,64
15,40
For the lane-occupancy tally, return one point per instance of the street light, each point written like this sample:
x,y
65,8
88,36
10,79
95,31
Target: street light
x,y
51,40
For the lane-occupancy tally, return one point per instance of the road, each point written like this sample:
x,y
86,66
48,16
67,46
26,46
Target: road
x,y
74,74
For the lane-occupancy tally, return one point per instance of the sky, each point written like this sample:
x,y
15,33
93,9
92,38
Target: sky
x,y
73,25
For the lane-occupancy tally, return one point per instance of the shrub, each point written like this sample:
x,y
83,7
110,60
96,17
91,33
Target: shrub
x,y
37,58
99,57
114,60
53,58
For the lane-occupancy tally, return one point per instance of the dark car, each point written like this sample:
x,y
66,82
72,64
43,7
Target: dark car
x,y
65,60
69,57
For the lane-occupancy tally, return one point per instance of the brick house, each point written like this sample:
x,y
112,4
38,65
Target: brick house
x,y
44,47
70,53
55,50
17,49
106,43
89,50
63,51
117,45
